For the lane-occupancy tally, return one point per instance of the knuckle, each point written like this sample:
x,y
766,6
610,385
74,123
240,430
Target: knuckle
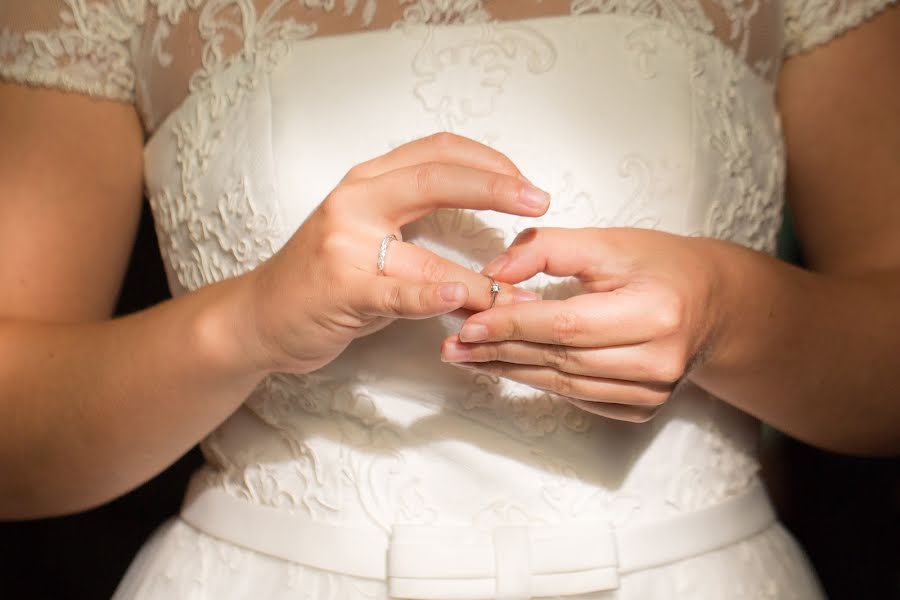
x,y
336,243
427,297
356,172
443,140
556,356
507,165
565,327
562,384
668,370
670,316
501,188
329,206
426,177
434,269
393,299
516,332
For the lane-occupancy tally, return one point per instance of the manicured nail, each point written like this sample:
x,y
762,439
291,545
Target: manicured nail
x,y
495,266
473,332
525,295
455,353
452,292
533,197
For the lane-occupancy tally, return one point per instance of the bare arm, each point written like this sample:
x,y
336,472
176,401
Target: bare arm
x,y
813,352
90,407
817,353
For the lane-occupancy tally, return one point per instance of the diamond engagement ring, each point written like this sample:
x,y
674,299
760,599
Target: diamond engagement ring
x,y
382,251
495,289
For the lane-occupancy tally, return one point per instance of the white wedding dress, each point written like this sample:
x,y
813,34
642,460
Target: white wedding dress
x,y
388,473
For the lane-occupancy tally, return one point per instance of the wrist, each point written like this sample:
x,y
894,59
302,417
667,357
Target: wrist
x,y
756,296
226,332
731,279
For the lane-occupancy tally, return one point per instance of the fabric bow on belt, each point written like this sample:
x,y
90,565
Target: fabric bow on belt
x,y
510,563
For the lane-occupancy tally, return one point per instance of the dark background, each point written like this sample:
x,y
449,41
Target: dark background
x,y
845,511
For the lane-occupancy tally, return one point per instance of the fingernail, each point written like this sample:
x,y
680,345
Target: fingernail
x,y
464,366
525,295
473,332
495,266
533,197
455,353
452,292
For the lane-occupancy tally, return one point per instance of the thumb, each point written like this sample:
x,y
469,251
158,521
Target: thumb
x,y
395,298
552,250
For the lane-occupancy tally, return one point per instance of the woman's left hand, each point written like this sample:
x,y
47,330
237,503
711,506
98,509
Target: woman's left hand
x,y
649,315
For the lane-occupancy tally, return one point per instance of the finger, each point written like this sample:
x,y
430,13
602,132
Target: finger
x,y
412,263
579,387
552,250
563,252
410,193
440,147
587,321
395,298
638,362
619,412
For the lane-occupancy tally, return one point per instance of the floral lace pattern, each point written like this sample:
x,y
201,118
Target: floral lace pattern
x,y
212,227
88,50
136,50
812,22
350,445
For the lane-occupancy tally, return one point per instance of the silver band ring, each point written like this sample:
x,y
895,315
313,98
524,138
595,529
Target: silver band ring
x,y
495,289
382,251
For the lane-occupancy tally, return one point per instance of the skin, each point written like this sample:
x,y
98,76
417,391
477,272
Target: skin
x,y
91,406
812,352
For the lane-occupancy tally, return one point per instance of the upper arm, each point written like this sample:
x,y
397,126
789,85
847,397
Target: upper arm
x,y
840,105
70,194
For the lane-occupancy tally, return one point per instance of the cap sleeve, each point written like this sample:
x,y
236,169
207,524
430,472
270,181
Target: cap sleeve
x,y
809,23
77,45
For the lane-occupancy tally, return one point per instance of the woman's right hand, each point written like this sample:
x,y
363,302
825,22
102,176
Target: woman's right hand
x,y
322,289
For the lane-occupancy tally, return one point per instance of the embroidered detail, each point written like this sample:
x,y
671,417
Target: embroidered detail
x,y
533,414
808,23
748,192
88,52
460,81
90,46
434,12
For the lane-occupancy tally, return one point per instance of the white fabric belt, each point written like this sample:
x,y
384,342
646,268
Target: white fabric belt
x,y
509,563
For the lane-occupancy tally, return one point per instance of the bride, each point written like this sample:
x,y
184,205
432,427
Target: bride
x,y
573,202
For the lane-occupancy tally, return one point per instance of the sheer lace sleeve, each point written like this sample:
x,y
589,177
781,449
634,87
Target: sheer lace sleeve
x,y
809,23
78,45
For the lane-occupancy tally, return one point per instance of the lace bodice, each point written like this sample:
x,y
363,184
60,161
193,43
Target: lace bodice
x,y
254,110
154,52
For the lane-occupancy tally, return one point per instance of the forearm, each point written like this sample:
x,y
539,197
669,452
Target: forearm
x,y
815,355
89,411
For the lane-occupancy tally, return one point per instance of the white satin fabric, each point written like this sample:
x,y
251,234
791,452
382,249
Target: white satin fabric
x,y
512,562
626,122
